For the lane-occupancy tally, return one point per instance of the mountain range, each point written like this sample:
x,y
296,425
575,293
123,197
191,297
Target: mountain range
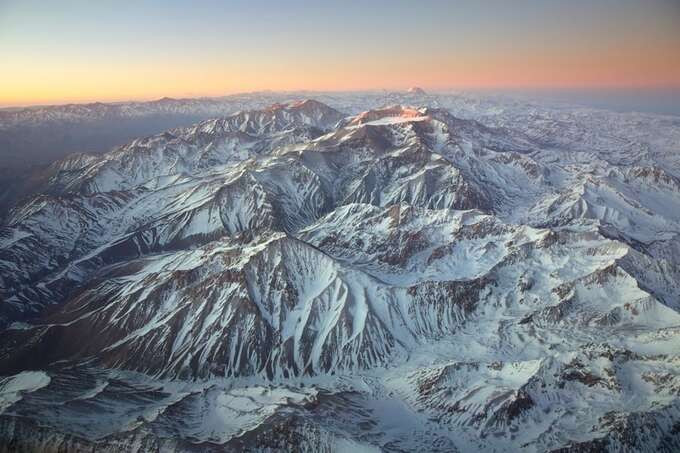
x,y
392,271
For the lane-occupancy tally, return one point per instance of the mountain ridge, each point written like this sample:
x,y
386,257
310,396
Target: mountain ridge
x,y
482,283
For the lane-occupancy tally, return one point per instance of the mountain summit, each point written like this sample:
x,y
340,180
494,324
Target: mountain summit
x,y
416,90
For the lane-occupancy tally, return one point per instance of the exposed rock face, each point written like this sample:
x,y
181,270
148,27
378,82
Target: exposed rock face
x,y
290,277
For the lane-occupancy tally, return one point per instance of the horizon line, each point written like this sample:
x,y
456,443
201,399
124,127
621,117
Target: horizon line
x,y
487,89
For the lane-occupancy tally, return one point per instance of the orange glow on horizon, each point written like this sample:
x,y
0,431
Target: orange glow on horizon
x,y
29,79
78,51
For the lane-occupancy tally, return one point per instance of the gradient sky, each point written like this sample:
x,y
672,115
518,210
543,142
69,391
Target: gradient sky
x,y
71,51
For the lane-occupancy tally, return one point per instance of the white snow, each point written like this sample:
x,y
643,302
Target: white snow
x,y
13,387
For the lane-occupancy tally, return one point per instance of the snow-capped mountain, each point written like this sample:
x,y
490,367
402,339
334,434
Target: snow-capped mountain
x,y
439,274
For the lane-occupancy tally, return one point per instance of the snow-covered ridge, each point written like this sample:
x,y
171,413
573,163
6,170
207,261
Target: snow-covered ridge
x,y
400,277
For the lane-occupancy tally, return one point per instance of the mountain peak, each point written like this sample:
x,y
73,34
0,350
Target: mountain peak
x,y
395,113
307,103
416,90
304,105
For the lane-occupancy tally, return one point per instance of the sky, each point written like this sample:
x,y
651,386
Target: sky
x,y
80,51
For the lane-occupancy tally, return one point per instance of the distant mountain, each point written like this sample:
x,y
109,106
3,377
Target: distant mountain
x,y
39,135
417,91
32,138
459,276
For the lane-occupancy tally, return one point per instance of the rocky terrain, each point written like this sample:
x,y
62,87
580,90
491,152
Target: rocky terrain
x,y
374,272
